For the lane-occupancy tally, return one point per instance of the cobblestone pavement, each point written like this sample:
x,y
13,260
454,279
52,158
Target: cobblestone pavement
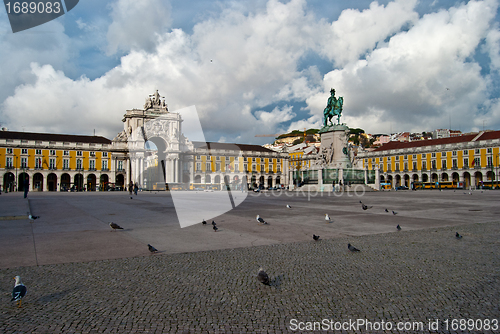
x,y
411,275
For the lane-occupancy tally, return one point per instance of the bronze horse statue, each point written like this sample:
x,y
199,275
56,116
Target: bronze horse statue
x,y
333,108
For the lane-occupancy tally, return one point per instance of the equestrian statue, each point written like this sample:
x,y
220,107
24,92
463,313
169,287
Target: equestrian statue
x,y
333,108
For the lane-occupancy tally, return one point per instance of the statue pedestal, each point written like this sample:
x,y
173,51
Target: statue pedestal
x,y
335,137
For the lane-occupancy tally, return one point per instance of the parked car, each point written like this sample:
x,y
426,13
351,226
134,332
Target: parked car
x,y
402,188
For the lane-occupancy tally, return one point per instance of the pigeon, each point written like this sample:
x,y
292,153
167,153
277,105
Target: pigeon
x,y
204,222
315,237
152,249
398,227
33,217
19,291
260,220
115,226
352,248
262,276
215,228
365,207
360,202
386,210
394,212
458,236
213,223
288,206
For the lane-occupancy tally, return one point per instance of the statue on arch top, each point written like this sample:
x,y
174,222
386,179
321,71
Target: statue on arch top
x,y
333,108
154,101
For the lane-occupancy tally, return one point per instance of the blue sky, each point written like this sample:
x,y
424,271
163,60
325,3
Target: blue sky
x,y
256,67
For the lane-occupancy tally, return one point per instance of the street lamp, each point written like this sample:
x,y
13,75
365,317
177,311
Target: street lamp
x,y
15,182
496,175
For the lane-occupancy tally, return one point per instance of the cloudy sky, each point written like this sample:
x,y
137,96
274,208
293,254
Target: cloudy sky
x,y
256,67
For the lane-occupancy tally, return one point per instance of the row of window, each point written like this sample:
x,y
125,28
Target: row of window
x,y
9,163
443,154
229,167
245,159
53,152
477,162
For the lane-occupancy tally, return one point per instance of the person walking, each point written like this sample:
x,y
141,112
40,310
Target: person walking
x,y
130,187
136,187
26,185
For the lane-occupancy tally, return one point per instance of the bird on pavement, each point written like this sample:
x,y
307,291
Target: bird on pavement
x,y
394,212
360,202
398,227
315,237
19,291
130,197
152,249
352,248
386,210
458,236
33,217
204,222
262,276
213,223
327,217
365,207
115,226
288,206
215,228
262,221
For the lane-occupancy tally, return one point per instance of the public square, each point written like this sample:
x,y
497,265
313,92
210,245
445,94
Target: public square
x,y
82,277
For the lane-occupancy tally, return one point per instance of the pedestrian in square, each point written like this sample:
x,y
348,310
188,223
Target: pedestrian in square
x,y
26,185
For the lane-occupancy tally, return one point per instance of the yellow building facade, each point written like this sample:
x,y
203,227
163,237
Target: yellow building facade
x,y
470,160
56,162
238,164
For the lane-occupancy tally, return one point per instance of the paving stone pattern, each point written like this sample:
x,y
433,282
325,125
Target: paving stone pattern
x,y
402,276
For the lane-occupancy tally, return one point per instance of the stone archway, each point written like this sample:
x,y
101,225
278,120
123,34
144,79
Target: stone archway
x,y
65,182
52,182
120,180
467,183
390,180
407,180
425,177
91,182
270,181
103,182
78,182
197,179
455,178
478,176
444,177
20,181
434,177
38,182
8,182
398,180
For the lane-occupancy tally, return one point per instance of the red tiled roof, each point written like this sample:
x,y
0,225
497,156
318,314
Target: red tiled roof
x,y
229,146
397,145
53,137
488,135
